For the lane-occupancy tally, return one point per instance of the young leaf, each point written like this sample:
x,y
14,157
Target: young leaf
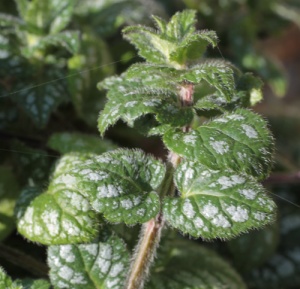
x,y
191,266
193,46
216,204
181,25
239,141
78,142
176,42
218,74
149,44
95,265
120,184
9,191
58,216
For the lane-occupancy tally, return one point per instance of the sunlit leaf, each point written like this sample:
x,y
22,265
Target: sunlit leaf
x,y
121,184
216,204
218,74
58,216
239,141
95,265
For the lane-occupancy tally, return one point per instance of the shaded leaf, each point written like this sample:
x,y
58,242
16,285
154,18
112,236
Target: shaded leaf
x,y
34,284
251,85
67,39
86,70
216,204
95,265
9,191
239,141
253,249
52,16
38,102
31,165
182,268
282,270
78,142
7,20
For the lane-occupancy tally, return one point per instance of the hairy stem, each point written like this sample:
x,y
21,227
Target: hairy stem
x,y
145,253
145,250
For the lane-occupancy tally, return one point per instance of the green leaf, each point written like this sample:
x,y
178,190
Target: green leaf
x,y
120,184
217,73
67,163
52,16
86,70
67,39
176,42
216,204
6,282
7,20
128,109
193,46
96,265
252,86
58,216
149,44
181,24
9,191
190,266
253,249
148,72
34,284
239,141
282,270
166,109
30,164
39,101
22,6
77,142
131,99
211,102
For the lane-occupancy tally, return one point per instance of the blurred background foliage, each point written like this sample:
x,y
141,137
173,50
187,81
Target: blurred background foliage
x,y
52,55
